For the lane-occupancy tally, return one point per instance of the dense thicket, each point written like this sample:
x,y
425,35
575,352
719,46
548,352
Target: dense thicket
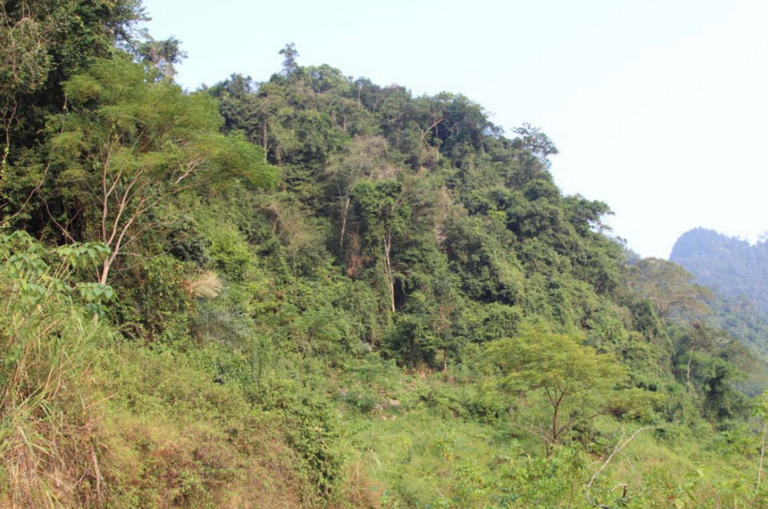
x,y
316,291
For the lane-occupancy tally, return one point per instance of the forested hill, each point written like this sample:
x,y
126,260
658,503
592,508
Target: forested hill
x,y
315,291
730,265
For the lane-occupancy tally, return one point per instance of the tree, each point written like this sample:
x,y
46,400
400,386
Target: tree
x,y
290,54
577,381
534,140
363,158
237,104
128,144
669,287
710,359
24,60
384,216
162,55
43,43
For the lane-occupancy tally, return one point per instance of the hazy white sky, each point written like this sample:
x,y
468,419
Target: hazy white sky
x,y
658,107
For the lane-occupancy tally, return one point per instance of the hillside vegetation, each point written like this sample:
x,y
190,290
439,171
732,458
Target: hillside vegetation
x,y
730,265
735,272
315,291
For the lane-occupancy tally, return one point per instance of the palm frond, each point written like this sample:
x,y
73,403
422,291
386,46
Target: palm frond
x,y
207,284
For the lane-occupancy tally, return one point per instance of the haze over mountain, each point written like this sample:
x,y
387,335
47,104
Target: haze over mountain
x,y
726,264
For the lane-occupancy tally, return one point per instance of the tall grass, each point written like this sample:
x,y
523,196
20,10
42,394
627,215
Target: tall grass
x,y
48,454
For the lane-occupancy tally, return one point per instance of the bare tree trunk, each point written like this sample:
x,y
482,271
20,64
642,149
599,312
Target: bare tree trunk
x,y
105,271
762,457
555,424
344,214
264,139
688,373
390,278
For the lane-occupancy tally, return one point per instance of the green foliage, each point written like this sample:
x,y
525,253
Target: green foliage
x,y
398,318
579,383
43,43
160,142
669,287
38,274
162,55
156,306
313,429
47,342
706,361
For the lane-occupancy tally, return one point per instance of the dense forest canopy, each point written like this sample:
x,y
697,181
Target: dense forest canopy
x,y
315,291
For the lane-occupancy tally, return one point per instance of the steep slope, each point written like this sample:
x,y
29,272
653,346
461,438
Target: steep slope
x,y
315,291
729,265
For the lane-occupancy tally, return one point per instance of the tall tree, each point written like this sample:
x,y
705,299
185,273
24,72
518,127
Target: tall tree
x,y
162,55
363,158
384,216
43,43
128,143
669,287
290,54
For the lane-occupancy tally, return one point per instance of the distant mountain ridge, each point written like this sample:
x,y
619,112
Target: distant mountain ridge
x,y
729,265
